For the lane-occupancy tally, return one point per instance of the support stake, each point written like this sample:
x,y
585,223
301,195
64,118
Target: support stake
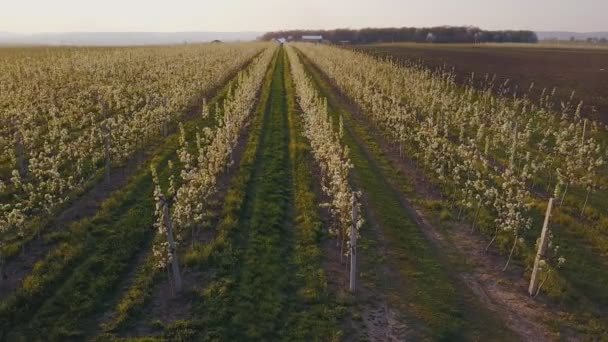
x,y
353,245
177,279
542,247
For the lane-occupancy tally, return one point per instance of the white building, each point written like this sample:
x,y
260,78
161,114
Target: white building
x,y
314,39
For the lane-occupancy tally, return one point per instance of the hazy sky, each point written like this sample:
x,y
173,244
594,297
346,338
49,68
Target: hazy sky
x,y
27,16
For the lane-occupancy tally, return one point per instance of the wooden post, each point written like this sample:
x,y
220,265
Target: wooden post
x,y
353,245
107,136
513,148
584,129
542,247
177,279
21,164
586,200
165,123
108,156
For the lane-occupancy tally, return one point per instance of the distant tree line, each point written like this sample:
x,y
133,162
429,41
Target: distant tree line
x,y
602,40
593,40
441,34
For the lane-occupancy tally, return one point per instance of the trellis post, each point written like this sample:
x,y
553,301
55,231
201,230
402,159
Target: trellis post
x,y
542,248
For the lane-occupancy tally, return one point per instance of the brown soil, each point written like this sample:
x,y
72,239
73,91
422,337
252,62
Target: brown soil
x,y
582,70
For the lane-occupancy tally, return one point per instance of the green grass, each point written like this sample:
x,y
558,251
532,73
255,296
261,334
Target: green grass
x,y
269,284
264,281
259,279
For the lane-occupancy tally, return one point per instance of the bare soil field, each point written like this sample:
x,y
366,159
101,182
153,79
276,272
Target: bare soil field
x,y
584,71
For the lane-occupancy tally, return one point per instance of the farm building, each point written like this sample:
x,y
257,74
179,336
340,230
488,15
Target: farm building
x,y
314,39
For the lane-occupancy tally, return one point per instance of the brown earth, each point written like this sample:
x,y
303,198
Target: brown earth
x,y
584,71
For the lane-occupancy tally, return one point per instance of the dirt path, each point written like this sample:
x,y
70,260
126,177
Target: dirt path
x,y
382,321
264,275
502,292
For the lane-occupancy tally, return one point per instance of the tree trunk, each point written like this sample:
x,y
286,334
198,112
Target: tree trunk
x,y
549,183
106,137
192,239
586,200
492,241
341,245
21,163
476,216
541,284
542,248
514,148
107,151
584,131
177,280
564,194
353,246
510,254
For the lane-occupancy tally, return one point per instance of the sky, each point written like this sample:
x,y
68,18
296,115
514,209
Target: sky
x,y
34,16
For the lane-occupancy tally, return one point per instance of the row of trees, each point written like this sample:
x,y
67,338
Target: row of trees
x,y
69,113
486,153
441,34
184,205
332,157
